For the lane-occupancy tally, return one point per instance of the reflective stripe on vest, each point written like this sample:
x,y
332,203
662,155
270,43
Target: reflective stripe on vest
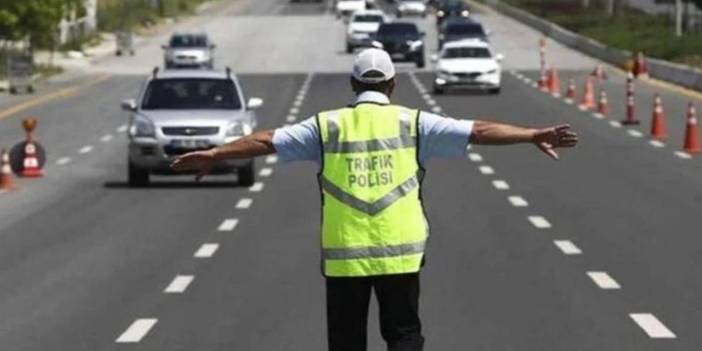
x,y
373,222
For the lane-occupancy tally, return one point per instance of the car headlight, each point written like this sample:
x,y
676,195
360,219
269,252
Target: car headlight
x,y
142,127
465,13
238,129
440,13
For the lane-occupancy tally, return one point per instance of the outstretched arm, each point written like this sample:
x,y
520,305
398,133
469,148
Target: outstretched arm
x,y
256,144
546,139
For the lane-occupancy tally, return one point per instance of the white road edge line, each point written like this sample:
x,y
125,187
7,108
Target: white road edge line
x,y
486,170
122,128
179,284
228,225
567,247
244,203
207,250
518,201
604,280
137,330
270,159
85,149
257,187
266,172
105,138
475,157
500,184
652,326
63,160
539,222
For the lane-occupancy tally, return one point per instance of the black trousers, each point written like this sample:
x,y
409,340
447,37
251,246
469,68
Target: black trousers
x,y
347,312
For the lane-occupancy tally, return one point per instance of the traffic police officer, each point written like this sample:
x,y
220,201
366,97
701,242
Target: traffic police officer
x,y
371,157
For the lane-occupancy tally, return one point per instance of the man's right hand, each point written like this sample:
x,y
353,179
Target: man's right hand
x,y
198,161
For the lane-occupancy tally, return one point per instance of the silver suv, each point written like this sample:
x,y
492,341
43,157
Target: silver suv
x,y
186,110
189,50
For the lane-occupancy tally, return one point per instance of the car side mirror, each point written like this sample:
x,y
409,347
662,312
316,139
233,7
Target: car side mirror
x,y
434,58
376,44
254,103
499,57
129,105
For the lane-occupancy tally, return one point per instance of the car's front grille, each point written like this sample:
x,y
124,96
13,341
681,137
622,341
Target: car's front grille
x,y
467,74
190,131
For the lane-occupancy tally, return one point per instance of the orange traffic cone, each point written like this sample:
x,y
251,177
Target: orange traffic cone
x,y
588,100
554,84
603,104
658,129
640,68
692,141
570,93
30,165
599,73
544,81
6,182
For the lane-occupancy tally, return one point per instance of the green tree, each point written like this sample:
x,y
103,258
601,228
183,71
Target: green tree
x,y
35,20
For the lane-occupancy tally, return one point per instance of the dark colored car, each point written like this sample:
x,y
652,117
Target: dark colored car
x,y
459,29
403,41
450,8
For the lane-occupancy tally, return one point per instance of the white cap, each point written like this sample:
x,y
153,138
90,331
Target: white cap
x,y
373,66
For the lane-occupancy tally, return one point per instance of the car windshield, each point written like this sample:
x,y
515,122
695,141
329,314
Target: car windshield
x,y
451,53
188,41
191,94
465,29
453,6
398,29
368,18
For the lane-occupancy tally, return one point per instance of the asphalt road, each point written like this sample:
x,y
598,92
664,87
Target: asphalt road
x,y
525,253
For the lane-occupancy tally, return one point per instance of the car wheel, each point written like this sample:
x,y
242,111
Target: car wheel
x,y
420,61
247,174
349,49
438,90
137,177
495,91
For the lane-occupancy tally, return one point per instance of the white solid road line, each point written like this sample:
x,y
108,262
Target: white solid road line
x,y
179,284
63,160
105,138
85,149
244,203
635,133
656,143
652,326
598,115
294,110
206,250
567,247
228,225
682,154
436,109
615,124
137,330
604,280
291,118
486,170
475,157
266,172
539,222
122,128
500,184
270,159
518,201
257,187
431,102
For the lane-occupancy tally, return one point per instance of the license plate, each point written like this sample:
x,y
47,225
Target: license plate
x,y
189,144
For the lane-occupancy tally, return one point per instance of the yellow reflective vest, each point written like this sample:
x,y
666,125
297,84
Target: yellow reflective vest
x,y
372,217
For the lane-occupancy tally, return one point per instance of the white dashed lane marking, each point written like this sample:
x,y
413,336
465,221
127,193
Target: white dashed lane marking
x,y
137,330
604,280
475,157
228,225
486,170
635,133
257,187
683,155
567,247
244,203
652,326
266,172
206,250
656,143
539,222
291,118
615,124
179,284
436,109
500,184
518,201
105,138
85,149
294,110
122,128
63,161
270,159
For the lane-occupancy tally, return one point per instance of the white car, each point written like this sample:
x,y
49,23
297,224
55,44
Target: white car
x,y
362,27
345,8
411,7
468,63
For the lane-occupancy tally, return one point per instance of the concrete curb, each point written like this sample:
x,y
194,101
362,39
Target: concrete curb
x,y
679,74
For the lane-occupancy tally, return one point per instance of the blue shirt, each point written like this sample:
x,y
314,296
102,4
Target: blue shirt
x,y
438,136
